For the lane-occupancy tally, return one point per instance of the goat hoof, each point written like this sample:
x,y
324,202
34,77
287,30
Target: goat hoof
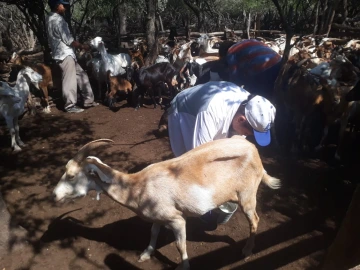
x,y
144,256
20,143
47,110
246,252
17,149
183,266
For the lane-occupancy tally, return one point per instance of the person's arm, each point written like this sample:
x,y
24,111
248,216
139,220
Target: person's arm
x,y
68,39
77,45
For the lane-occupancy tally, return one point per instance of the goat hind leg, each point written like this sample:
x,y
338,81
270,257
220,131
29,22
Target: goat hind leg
x,y
151,247
178,226
152,95
249,209
46,100
10,125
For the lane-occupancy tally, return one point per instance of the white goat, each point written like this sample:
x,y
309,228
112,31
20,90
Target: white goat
x,y
168,192
12,102
117,64
207,43
161,59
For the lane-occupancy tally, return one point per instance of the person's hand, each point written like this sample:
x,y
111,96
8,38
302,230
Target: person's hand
x,y
86,47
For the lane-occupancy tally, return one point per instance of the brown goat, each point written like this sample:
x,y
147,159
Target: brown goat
x,y
47,81
300,93
118,86
137,56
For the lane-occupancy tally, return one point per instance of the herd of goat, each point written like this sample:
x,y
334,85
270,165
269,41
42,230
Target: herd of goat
x,y
321,78
316,79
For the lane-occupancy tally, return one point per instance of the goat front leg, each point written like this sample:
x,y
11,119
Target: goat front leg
x,y
324,136
10,125
31,105
178,226
152,95
160,96
151,247
17,135
46,100
343,123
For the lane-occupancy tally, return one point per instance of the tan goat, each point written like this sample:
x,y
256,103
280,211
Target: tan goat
x,y
168,192
118,86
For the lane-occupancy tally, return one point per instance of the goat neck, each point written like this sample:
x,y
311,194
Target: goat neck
x,y
22,88
119,186
102,50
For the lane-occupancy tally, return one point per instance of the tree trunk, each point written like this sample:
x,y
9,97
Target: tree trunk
x,y
198,13
344,11
161,23
328,16
151,32
122,22
322,15
316,25
248,24
257,21
35,17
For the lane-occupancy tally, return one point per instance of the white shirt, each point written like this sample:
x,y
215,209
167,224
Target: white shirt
x,y
203,113
59,37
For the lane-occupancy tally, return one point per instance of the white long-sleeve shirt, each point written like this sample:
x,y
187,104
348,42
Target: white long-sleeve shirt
x,y
59,37
203,113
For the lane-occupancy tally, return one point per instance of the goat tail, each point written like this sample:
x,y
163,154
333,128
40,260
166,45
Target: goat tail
x,y
270,181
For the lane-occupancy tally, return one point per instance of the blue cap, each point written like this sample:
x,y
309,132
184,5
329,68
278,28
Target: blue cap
x,y
260,114
53,3
262,138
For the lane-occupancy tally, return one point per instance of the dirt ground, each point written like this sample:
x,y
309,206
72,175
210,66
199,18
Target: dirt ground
x,y
297,222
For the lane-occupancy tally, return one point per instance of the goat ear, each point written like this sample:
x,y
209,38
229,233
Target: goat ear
x,y
105,173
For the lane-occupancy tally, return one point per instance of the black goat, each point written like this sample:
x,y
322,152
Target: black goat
x,y
212,71
354,94
153,78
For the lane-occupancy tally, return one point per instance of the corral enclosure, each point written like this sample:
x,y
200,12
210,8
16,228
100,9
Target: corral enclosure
x,y
297,222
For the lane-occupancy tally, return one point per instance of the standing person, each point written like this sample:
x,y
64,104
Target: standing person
x,y
62,46
217,110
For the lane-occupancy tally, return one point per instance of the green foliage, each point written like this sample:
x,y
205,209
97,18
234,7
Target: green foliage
x,y
237,7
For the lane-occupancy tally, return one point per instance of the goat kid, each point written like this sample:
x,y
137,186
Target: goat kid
x,y
118,86
168,192
11,108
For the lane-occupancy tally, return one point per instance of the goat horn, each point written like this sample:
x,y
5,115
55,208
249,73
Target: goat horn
x,y
63,215
84,151
300,63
